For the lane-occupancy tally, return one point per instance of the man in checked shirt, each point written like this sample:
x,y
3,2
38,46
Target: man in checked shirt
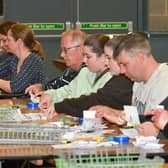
x,y
71,51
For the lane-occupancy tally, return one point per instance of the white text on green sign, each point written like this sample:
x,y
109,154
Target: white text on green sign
x,y
104,25
46,26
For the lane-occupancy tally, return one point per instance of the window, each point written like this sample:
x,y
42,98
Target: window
x,y
158,15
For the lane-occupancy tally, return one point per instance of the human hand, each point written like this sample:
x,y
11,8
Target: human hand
x,y
34,89
50,112
150,112
45,101
47,106
99,111
159,117
112,115
147,129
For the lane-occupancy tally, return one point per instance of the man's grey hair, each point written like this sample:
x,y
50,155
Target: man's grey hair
x,y
133,43
78,36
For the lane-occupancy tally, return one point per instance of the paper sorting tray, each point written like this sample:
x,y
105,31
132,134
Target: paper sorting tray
x,y
26,133
103,158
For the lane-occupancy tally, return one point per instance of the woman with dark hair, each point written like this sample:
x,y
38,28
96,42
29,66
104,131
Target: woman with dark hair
x,y
90,78
26,66
4,27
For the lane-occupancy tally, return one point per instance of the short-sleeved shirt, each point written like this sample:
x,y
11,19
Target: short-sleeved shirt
x,y
146,96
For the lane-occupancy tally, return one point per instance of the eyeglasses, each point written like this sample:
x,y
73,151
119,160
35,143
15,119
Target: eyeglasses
x,y
64,49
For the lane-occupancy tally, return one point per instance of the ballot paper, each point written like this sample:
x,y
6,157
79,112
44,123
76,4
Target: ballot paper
x,y
130,132
89,113
90,122
34,116
132,114
160,107
19,116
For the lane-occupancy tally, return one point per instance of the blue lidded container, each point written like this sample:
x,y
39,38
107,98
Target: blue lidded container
x,y
32,105
121,139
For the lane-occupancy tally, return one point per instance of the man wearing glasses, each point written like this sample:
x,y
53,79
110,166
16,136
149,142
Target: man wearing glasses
x,y
72,53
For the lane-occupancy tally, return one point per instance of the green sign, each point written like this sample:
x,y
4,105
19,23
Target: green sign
x,y
104,25
46,26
